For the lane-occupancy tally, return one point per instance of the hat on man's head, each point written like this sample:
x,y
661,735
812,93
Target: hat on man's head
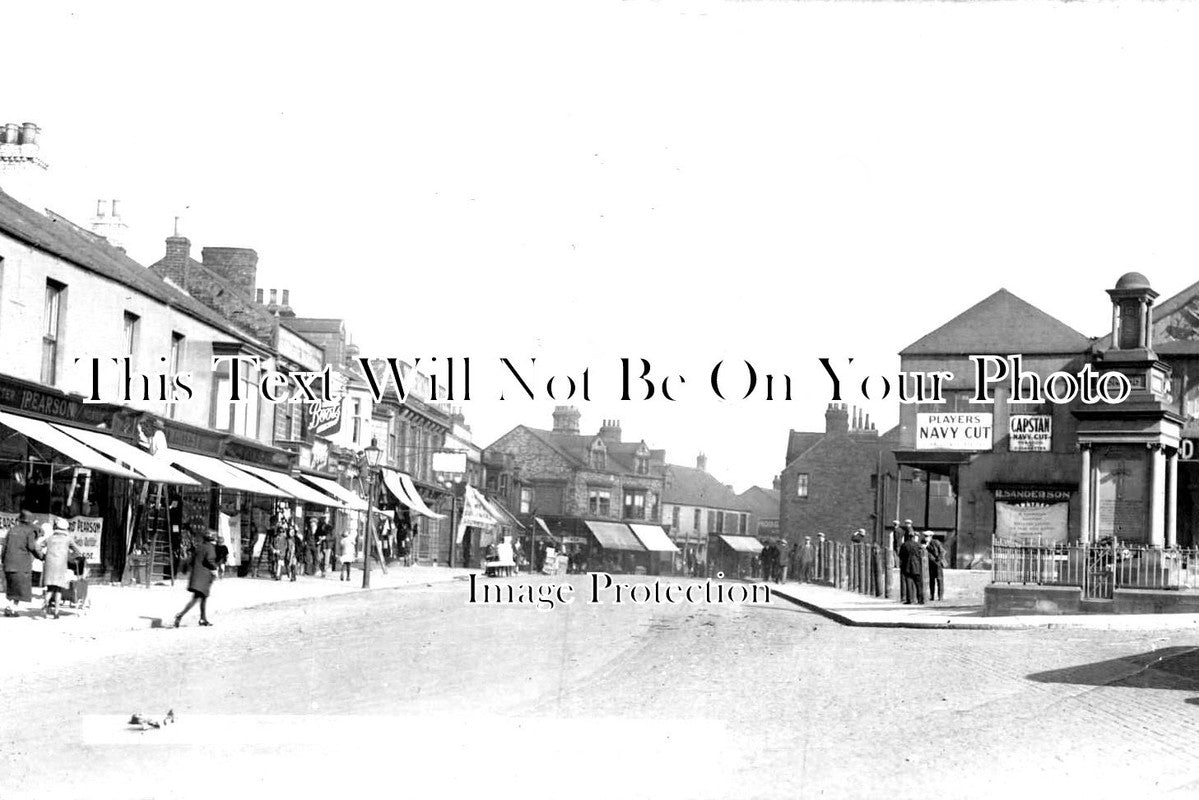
x,y
907,522
26,515
60,524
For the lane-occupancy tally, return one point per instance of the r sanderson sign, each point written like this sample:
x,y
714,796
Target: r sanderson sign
x,y
953,431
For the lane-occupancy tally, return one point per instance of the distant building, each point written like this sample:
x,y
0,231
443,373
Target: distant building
x,y
764,505
836,482
587,489
696,506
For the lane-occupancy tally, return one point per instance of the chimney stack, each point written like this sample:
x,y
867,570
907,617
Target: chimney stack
x,y
566,419
701,462
836,418
610,431
238,265
258,296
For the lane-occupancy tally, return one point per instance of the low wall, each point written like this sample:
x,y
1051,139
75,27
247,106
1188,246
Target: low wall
x,y
1155,601
1007,599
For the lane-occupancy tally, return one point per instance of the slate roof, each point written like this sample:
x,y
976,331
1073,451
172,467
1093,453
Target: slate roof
x,y
54,234
885,441
799,442
763,502
1000,324
576,449
688,486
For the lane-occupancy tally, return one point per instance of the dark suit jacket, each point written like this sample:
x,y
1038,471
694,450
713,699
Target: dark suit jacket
x,y
912,558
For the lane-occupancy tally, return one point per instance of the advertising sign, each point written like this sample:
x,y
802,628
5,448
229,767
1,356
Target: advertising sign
x,y
86,532
1030,433
953,431
324,419
1031,523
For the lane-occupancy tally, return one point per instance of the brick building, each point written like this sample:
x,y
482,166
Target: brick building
x,y
697,506
764,505
836,482
587,489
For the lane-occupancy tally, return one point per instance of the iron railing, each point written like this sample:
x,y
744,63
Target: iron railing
x,y
1098,567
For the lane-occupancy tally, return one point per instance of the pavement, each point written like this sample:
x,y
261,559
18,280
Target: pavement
x,y
114,608
962,609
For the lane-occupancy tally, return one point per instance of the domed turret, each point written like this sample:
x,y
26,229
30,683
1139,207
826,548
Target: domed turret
x,y
1132,280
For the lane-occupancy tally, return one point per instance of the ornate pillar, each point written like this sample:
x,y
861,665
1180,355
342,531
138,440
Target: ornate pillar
x,y
1157,495
1172,499
1084,495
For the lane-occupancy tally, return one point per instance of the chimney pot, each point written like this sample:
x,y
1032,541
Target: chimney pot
x,y
259,297
28,133
274,294
286,293
114,209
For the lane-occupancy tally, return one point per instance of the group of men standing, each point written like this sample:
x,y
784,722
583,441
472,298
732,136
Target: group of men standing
x,y
920,557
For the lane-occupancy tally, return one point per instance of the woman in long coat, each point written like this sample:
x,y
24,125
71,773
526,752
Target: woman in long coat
x,y
57,549
204,566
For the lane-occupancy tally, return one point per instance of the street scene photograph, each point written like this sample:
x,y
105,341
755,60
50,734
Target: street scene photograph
x,y
612,399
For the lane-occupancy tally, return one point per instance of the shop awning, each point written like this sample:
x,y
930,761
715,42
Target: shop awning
x,y
476,511
404,490
743,544
155,469
301,491
501,512
653,538
75,450
348,498
216,471
614,536
541,524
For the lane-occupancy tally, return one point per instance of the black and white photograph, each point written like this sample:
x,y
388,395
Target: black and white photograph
x,y
600,399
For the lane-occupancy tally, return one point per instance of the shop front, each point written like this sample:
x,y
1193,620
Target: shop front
x,y
733,556
661,551
617,549
419,526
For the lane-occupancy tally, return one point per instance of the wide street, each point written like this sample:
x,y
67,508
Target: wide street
x,y
414,692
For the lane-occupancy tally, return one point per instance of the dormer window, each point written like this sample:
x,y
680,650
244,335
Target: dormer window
x,y
641,460
599,455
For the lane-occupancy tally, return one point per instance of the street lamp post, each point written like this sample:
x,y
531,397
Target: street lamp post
x,y
370,458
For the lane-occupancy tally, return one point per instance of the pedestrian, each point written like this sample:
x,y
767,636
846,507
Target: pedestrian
x,y
858,536
911,568
770,554
345,553
279,539
936,566
222,555
20,548
807,559
324,539
896,535
793,561
295,550
783,564
204,566
310,545
57,549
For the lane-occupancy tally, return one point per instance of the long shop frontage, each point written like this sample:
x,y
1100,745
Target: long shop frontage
x,y
248,493
409,522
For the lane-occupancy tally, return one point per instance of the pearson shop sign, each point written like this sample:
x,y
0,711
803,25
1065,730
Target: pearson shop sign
x,y
953,432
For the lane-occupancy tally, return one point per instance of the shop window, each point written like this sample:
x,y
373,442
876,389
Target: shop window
x,y
801,485
52,330
599,502
634,504
526,501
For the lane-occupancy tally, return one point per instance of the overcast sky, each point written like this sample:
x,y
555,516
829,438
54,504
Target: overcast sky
x,y
684,182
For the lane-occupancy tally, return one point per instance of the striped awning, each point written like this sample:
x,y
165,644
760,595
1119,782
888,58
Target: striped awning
x,y
46,434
